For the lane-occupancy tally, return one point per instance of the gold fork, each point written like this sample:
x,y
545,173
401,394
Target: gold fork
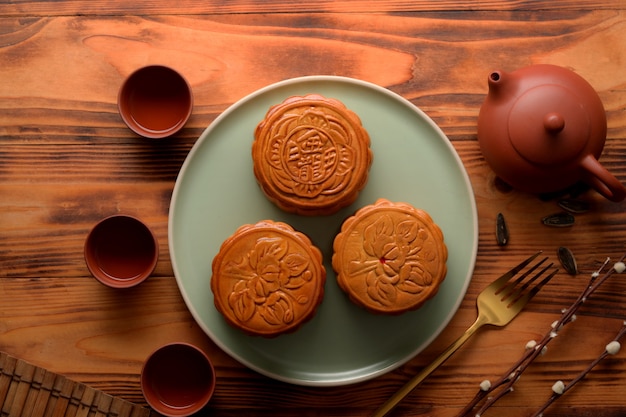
x,y
497,305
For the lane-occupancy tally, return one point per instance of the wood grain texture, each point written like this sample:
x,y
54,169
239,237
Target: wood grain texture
x,y
67,160
99,7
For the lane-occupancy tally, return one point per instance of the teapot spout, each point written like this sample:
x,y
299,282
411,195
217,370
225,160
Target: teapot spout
x,y
497,82
495,78
503,87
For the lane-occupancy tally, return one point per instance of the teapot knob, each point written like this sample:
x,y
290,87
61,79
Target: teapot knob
x,y
553,123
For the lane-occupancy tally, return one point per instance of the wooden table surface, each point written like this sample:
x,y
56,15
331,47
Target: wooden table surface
x,y
67,160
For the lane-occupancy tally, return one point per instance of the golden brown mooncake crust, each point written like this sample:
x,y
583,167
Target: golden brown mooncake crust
x,y
268,279
311,155
390,257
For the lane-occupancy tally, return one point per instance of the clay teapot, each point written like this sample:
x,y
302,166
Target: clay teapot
x,y
542,129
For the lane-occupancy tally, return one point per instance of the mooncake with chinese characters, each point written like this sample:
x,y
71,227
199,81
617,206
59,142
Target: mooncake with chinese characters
x,y
311,155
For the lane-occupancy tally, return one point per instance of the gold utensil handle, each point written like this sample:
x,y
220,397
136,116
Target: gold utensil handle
x,y
391,403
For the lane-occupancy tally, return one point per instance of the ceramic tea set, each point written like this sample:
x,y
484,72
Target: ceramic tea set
x,y
541,129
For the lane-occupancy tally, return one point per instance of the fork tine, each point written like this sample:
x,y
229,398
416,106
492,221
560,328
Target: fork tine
x,y
512,285
522,293
530,294
500,283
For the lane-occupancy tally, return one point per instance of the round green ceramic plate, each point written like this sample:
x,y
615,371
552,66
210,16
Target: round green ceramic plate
x,y
216,192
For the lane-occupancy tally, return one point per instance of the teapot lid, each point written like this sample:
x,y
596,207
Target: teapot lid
x,y
548,125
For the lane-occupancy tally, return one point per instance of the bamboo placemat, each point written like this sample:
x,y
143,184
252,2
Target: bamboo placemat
x,y
29,390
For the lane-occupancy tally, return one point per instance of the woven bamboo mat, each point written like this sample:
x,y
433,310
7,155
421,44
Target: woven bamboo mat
x,y
28,390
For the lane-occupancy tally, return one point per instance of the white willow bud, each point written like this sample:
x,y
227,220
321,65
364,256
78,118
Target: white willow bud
x,y
531,344
619,267
558,387
613,347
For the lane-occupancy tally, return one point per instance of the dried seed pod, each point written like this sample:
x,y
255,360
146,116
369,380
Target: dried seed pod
x,y
502,231
574,206
566,257
559,220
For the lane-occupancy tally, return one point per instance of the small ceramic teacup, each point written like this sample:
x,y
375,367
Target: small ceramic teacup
x,y
155,101
121,251
178,379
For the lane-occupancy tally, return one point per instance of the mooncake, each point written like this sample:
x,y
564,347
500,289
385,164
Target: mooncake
x,y
311,155
267,279
390,257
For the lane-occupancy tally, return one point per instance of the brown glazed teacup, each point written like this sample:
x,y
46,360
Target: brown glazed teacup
x,y
121,251
155,101
178,379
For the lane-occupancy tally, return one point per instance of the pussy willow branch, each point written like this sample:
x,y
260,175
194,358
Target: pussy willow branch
x,y
559,389
505,383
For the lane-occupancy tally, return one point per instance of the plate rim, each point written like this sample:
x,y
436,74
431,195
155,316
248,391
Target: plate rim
x,y
361,83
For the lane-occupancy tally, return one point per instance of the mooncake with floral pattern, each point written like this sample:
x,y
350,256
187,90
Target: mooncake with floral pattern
x,y
390,257
268,279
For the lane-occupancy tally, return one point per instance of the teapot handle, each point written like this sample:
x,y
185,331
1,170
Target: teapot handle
x,y
602,180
